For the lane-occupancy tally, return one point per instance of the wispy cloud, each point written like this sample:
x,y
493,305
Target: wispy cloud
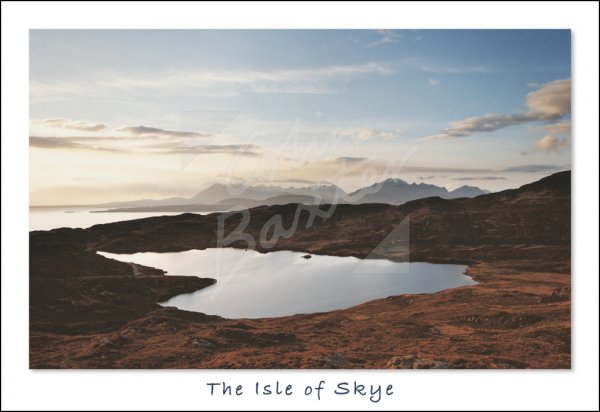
x,y
560,128
467,178
62,143
534,168
385,37
479,124
550,102
166,147
147,131
70,124
361,164
329,79
123,133
350,159
238,149
521,168
428,68
295,180
359,134
433,82
51,143
310,80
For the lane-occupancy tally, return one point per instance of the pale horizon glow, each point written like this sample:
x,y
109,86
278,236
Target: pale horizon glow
x,y
121,115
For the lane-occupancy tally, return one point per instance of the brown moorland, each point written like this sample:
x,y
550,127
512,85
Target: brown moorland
x,y
88,311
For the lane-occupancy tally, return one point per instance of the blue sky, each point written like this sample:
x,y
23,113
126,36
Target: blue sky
x,y
451,107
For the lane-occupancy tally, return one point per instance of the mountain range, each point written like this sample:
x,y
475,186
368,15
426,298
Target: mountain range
x,y
220,197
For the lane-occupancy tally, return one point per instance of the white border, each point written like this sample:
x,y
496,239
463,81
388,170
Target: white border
x,y
25,389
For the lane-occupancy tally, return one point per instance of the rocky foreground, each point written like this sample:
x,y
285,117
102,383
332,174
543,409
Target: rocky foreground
x,y
87,311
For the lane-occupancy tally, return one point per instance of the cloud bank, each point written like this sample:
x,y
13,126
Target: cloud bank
x,y
550,143
551,101
558,137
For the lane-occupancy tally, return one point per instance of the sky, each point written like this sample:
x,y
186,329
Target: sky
x,y
128,114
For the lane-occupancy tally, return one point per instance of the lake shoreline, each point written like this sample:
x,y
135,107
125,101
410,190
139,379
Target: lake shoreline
x,y
248,286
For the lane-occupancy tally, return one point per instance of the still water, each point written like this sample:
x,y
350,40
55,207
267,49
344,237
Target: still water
x,y
253,285
81,217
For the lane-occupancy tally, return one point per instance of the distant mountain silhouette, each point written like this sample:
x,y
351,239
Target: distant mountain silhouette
x,y
467,191
221,197
219,192
397,192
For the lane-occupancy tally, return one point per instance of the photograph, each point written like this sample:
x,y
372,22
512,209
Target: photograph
x,y
299,198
